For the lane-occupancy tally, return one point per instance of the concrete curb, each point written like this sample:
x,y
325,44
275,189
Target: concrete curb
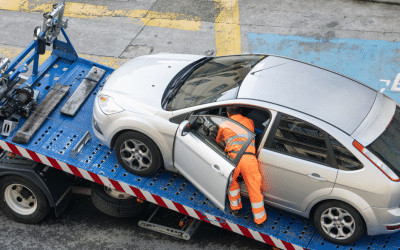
x,y
383,1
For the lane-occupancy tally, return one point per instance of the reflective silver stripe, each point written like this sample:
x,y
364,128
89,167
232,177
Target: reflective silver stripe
x,y
257,205
237,143
234,192
241,143
259,215
235,137
236,202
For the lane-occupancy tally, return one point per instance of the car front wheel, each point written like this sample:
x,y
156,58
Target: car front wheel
x,y
338,222
137,153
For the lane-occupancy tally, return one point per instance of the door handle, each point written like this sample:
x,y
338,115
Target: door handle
x,y
217,169
316,177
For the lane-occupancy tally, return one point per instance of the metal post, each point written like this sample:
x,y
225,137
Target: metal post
x,y
35,61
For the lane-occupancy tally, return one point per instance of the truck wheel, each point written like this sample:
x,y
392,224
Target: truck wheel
x,y
137,153
338,222
116,203
21,200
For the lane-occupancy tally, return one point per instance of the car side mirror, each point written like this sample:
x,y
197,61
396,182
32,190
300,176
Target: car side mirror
x,y
184,128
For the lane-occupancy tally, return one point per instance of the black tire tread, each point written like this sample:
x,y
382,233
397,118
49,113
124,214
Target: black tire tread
x,y
121,208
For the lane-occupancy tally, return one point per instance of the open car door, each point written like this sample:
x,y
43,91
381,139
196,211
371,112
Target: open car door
x,y
202,160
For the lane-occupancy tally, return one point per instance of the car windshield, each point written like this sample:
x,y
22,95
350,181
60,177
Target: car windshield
x,y
387,146
216,80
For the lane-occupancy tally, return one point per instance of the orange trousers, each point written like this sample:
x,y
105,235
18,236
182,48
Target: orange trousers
x,y
248,167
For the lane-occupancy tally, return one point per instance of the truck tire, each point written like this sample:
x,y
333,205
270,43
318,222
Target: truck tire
x,y
115,203
22,200
137,153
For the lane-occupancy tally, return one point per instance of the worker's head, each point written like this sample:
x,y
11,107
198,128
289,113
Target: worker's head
x,y
233,111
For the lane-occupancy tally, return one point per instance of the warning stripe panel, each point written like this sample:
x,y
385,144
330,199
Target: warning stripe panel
x,y
4,146
54,163
180,208
138,193
159,200
85,174
288,245
95,178
223,223
13,148
267,239
116,185
23,152
245,231
75,171
34,156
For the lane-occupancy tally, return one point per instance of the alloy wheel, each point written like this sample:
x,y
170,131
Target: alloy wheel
x,y
136,155
338,223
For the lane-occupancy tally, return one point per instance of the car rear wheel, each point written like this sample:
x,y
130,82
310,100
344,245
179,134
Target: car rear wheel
x,y
338,222
22,200
137,153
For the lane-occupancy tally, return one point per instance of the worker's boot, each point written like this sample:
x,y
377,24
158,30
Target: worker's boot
x,y
236,213
262,224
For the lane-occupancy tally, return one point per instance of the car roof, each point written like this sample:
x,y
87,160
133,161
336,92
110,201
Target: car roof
x,y
326,95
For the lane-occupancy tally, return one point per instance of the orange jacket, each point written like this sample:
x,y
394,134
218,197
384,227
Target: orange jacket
x,y
232,134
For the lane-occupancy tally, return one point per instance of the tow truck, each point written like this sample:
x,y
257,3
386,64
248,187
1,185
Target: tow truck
x,y
46,141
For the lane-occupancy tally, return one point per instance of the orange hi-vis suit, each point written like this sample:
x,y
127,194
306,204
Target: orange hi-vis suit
x,y
247,166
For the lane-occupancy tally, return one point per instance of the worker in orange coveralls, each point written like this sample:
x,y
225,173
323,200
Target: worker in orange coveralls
x,y
247,166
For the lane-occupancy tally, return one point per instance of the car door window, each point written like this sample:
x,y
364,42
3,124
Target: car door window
x,y
206,128
300,139
345,160
261,117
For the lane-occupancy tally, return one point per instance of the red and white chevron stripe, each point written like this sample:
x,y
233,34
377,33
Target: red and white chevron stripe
x,y
144,195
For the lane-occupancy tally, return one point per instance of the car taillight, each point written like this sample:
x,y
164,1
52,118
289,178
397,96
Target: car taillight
x,y
375,160
391,228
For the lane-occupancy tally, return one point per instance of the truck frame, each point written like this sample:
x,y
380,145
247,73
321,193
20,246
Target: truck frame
x,y
63,142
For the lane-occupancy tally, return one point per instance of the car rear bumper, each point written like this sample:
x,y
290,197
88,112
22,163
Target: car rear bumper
x,y
387,220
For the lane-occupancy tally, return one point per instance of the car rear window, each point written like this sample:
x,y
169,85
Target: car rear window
x,y
345,160
387,146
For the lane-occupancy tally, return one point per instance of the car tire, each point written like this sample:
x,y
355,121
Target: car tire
x,y
115,203
137,153
22,201
338,222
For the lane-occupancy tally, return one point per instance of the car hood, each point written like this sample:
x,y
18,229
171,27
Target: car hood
x,y
139,84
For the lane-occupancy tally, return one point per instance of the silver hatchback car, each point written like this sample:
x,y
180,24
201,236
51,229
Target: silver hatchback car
x,y
328,146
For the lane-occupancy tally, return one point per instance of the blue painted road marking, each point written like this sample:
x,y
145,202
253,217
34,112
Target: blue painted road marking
x,y
373,62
